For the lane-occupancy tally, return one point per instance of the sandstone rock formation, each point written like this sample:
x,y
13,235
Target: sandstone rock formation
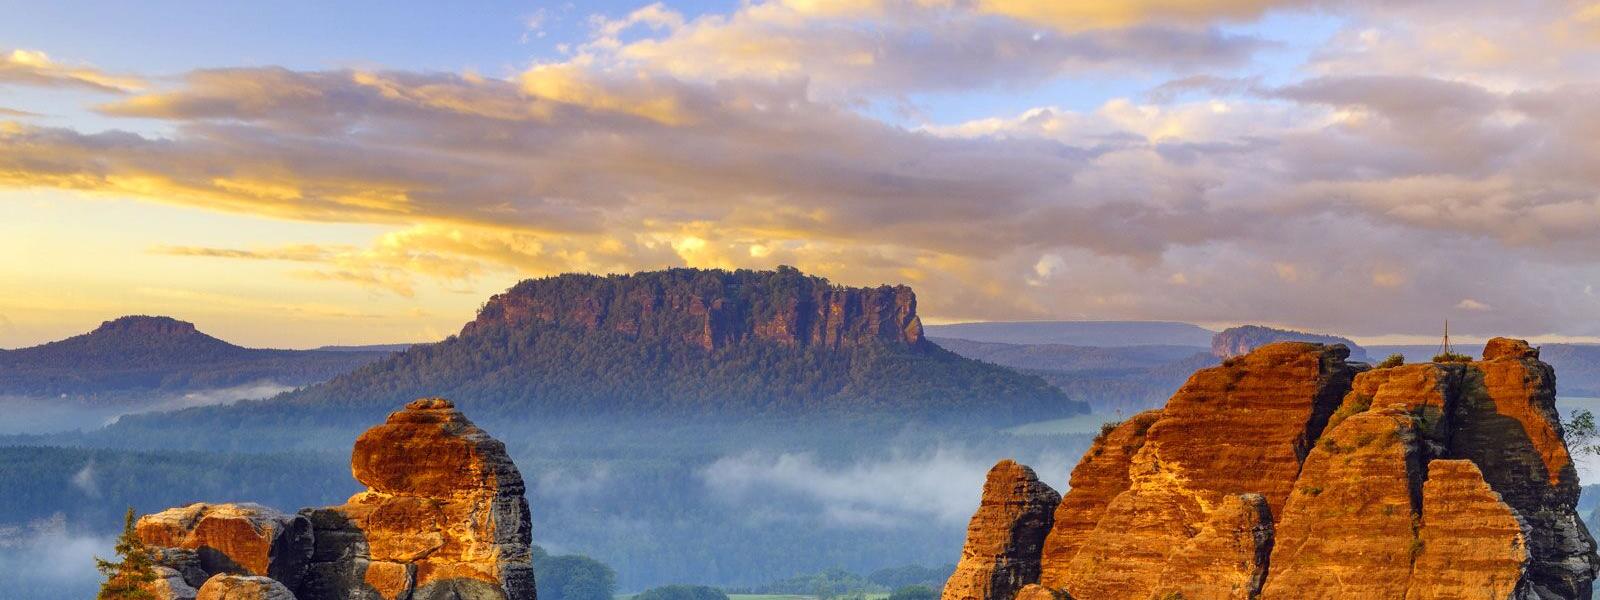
x,y
1347,529
1470,538
1289,473
1005,535
443,517
1268,406
243,587
243,539
718,308
1099,477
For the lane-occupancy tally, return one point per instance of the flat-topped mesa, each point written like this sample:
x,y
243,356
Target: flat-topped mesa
x,y
1005,536
712,308
1427,481
443,517
141,325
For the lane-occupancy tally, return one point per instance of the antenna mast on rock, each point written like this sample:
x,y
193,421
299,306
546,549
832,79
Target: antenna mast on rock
x,y
1444,348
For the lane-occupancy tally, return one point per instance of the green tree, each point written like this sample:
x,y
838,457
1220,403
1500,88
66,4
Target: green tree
x,y
682,592
126,578
1582,436
572,577
914,592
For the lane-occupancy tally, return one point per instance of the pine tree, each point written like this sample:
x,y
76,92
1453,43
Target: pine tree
x,y
127,578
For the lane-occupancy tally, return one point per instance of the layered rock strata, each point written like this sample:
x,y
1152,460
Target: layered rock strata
x,y
1005,535
713,309
443,517
1291,473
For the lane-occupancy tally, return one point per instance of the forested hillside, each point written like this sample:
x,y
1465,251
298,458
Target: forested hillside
x,y
134,356
677,343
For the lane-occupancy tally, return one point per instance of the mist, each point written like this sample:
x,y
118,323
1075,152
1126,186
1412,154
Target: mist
x,y
903,488
36,415
45,559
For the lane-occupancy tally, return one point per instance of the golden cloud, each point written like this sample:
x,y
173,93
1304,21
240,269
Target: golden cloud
x,y
31,67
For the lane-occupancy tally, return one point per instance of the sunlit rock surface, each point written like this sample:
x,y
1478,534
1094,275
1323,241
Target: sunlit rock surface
x,y
1291,473
1005,536
443,517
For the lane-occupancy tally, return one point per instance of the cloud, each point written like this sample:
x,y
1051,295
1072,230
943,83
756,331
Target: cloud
x,y
844,49
1082,15
1417,149
84,480
1470,304
899,490
34,68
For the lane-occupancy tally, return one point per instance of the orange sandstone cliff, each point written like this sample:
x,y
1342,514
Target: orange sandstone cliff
x,y
444,516
1290,472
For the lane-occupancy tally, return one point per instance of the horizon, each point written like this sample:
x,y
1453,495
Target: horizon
x,y
302,175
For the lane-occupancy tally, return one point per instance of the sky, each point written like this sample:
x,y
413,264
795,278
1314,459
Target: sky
x,y
296,174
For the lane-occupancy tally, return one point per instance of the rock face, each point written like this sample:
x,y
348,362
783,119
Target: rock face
x,y
713,309
1005,536
1289,473
443,517
1099,477
1472,543
241,539
1239,341
1506,423
1347,529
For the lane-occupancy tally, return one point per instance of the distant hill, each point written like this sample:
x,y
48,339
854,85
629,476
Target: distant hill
x,y
138,355
1079,333
1238,341
1125,379
366,348
690,343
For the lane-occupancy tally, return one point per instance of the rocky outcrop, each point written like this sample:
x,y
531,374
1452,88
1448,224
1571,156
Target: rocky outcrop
x,y
443,517
1239,341
243,587
241,539
1347,530
1099,477
1227,559
1268,406
1506,423
1289,473
1005,535
713,308
444,510
1471,543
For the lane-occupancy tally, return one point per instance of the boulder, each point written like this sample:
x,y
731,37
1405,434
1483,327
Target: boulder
x,y
170,585
242,539
1005,536
243,587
